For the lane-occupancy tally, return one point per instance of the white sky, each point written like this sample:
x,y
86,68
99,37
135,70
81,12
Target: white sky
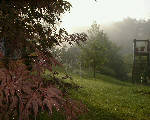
x,y
84,12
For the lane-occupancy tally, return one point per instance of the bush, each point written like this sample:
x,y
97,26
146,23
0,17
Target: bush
x,y
108,71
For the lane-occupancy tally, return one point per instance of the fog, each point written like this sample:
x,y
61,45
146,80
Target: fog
x,y
122,20
123,32
84,12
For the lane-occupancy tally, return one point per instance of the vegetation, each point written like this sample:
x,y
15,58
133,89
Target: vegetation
x,y
93,53
107,98
28,31
123,33
32,44
97,55
110,99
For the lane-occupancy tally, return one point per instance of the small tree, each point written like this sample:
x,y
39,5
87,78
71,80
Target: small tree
x,y
93,52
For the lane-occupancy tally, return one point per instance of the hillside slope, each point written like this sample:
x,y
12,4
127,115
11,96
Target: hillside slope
x,y
110,99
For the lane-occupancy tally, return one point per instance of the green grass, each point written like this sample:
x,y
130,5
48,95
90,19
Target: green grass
x,y
111,99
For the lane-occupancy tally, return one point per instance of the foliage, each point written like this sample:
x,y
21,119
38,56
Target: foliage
x,y
93,52
69,56
97,55
108,71
106,55
116,62
31,26
124,32
24,94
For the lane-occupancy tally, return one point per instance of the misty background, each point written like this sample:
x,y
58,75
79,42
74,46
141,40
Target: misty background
x,y
124,32
118,23
121,20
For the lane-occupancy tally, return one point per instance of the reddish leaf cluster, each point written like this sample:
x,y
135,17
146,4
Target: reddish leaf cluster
x,y
27,27
23,93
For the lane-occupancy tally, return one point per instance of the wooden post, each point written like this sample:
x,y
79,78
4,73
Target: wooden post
x,y
148,50
134,49
148,68
134,42
141,68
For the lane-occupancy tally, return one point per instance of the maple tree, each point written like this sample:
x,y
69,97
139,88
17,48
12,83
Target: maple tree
x,y
31,26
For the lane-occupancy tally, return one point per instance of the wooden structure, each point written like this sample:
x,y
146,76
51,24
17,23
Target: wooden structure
x,y
141,61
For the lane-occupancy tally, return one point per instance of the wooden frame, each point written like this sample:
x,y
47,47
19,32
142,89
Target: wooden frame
x,y
140,53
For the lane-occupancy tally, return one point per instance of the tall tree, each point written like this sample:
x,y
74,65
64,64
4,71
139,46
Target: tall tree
x,y
102,55
32,26
93,52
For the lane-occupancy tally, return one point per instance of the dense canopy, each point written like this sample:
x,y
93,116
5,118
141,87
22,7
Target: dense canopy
x,y
33,24
32,27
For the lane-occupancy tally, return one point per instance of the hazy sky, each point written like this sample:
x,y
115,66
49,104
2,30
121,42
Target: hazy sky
x,y
84,12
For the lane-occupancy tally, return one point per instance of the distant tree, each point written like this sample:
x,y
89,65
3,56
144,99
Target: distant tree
x,y
97,54
102,55
116,62
69,56
93,52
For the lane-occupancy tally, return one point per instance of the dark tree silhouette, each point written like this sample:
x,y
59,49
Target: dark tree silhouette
x,y
31,26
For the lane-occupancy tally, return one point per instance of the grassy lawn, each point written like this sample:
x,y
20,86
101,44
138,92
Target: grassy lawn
x,y
110,99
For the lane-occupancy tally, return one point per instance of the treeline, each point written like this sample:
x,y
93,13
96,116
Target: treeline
x,y
108,49
97,55
123,33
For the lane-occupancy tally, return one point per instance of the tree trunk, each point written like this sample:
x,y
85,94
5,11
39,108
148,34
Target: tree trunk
x,y
94,64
